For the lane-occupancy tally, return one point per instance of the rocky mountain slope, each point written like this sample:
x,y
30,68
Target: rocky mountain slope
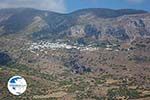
x,y
86,62
95,23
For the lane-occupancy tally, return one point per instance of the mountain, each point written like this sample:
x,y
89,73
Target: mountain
x,y
107,13
99,54
92,23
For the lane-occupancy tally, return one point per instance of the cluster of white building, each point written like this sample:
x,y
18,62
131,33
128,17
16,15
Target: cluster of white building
x,y
41,46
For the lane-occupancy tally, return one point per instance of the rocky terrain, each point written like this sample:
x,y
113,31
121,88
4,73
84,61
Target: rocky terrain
x,y
90,54
99,24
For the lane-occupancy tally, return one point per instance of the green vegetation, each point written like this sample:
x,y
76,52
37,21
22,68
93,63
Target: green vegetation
x,y
99,81
122,92
140,59
78,87
65,82
30,71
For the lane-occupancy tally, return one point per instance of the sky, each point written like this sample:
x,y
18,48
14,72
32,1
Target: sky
x,y
66,6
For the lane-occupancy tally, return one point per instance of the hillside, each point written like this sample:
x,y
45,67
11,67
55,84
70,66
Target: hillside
x,y
89,54
98,23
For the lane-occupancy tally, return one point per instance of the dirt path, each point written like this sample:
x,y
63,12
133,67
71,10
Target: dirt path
x,y
55,95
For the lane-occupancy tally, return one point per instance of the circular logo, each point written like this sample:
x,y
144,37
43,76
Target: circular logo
x,y
17,85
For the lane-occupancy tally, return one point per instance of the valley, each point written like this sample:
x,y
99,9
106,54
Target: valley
x,y
54,71
84,55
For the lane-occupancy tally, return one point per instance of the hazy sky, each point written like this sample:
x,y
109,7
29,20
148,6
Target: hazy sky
x,y
71,5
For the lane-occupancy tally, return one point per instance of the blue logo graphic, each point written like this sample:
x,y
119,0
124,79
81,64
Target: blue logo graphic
x,y
17,85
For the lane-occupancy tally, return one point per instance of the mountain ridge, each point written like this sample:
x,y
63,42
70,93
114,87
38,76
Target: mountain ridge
x,y
96,23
